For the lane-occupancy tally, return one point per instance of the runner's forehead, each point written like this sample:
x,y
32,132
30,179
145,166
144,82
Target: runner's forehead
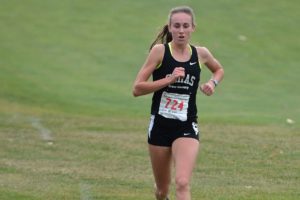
x,y
181,18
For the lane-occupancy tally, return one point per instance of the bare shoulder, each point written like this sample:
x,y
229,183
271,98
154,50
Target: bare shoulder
x,y
156,54
204,54
207,58
158,49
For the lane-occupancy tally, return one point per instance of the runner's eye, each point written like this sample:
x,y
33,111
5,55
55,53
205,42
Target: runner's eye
x,y
186,25
177,25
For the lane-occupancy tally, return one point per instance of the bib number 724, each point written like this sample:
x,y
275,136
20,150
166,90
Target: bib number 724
x,y
174,104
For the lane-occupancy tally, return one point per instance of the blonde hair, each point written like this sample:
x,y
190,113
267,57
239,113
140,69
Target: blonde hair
x,y
164,36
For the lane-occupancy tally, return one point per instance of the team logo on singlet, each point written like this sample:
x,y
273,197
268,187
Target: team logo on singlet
x,y
188,79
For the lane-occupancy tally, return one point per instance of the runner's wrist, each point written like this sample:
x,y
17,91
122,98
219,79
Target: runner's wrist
x,y
215,82
171,79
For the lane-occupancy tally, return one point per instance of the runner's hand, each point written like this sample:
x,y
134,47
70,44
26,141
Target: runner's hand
x,y
177,73
208,88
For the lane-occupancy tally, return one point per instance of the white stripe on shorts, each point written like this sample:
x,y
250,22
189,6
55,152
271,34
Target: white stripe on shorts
x,y
151,125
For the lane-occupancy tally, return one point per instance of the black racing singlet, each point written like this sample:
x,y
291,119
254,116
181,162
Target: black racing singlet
x,y
178,100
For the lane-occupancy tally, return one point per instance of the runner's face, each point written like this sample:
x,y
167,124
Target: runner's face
x,y
181,27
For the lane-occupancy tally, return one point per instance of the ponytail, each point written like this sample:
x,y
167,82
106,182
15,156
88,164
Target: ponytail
x,y
164,36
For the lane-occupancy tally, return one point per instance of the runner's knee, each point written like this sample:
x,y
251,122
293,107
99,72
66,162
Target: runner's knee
x,y
182,183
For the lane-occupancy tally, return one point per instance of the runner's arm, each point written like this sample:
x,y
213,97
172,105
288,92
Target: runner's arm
x,y
141,85
214,66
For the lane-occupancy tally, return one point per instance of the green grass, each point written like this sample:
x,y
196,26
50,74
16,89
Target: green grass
x,y
71,64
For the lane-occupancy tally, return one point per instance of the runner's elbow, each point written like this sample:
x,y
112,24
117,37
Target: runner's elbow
x,y
136,92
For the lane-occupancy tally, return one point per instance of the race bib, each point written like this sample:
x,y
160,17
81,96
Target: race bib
x,y
174,106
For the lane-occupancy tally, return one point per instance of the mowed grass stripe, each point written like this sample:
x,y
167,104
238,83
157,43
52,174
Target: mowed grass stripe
x,y
234,162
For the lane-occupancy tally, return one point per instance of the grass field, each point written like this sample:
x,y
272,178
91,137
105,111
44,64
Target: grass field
x,y
70,128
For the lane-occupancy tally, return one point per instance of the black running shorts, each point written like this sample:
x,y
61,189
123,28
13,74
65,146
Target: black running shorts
x,y
164,131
